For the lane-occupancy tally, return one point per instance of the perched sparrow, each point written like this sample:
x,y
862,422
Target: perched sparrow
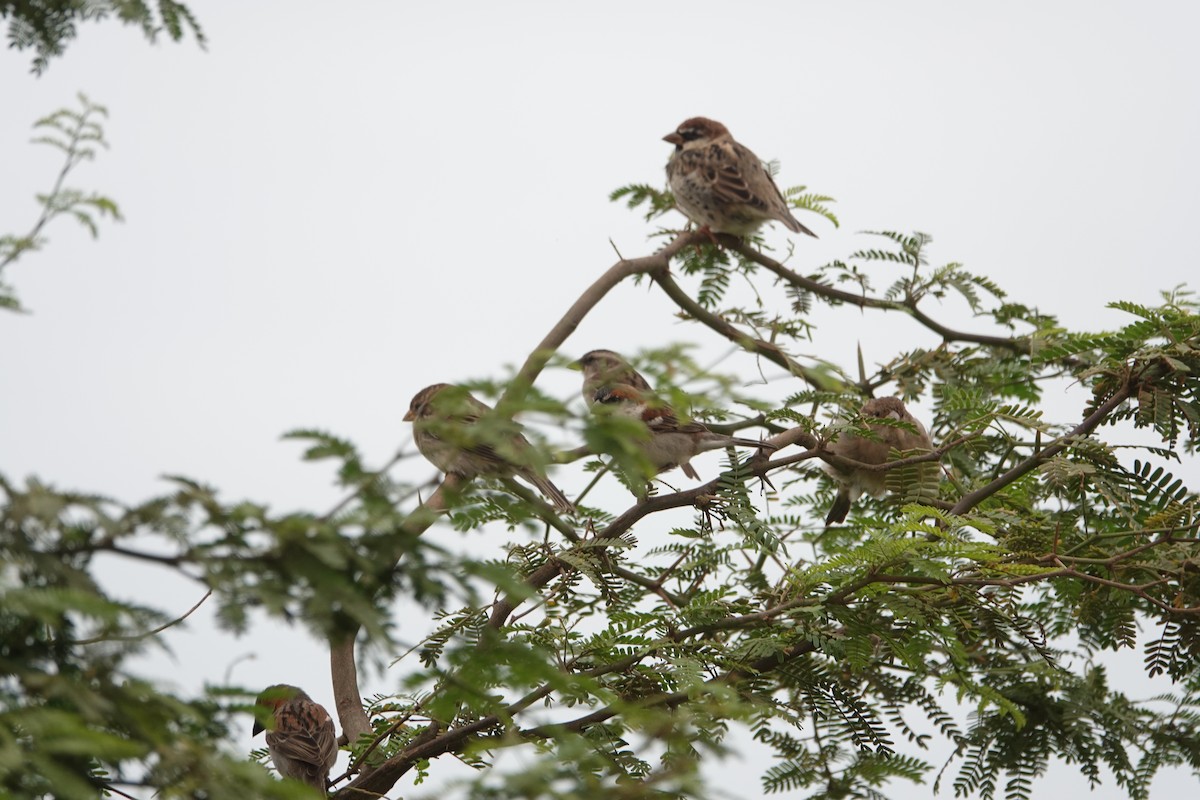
x,y
609,382
605,371
443,418
856,481
300,735
721,185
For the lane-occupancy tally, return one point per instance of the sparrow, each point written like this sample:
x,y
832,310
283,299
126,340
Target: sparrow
x,y
300,735
720,184
853,482
444,417
611,385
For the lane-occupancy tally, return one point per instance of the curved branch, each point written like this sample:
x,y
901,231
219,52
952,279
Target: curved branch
x,y
655,264
346,697
342,669
972,499
344,675
1016,345
136,636
768,350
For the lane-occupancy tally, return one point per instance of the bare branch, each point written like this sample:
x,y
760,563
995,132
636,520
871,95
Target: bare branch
x,y
135,637
655,264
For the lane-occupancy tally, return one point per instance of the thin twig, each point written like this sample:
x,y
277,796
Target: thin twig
x,y
136,636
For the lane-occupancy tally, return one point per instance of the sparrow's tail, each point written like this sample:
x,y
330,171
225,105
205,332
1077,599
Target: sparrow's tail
x,y
716,441
795,226
552,492
840,507
318,781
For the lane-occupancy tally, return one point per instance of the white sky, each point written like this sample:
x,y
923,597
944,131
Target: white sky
x,y
325,214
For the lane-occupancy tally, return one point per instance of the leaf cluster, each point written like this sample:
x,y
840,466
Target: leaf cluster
x,y
47,26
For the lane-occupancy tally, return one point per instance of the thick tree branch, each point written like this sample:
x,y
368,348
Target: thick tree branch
x,y
346,696
343,671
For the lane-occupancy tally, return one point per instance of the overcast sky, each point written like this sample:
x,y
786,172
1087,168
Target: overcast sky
x,y
324,214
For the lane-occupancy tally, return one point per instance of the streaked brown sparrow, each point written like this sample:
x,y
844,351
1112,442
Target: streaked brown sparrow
x,y
610,383
445,430
853,482
720,184
300,735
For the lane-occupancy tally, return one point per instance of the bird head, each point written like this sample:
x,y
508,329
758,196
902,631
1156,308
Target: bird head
x,y
269,700
884,407
422,402
696,129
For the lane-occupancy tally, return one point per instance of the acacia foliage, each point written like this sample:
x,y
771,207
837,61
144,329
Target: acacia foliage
x,y
47,26
78,135
617,648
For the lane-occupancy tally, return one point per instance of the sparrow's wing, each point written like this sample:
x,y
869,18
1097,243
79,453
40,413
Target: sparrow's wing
x,y
661,419
631,377
518,444
615,394
764,186
327,744
735,176
453,422
454,430
318,748
729,172
304,732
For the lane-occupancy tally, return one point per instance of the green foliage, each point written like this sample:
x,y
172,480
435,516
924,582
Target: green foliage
x,y
838,661
618,649
800,197
77,134
657,201
72,718
48,25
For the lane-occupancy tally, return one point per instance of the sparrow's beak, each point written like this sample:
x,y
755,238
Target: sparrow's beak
x,y
575,365
257,729
673,138
409,416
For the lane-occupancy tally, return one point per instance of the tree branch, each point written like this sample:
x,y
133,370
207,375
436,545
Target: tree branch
x,y
343,673
972,499
657,263
1016,345
768,350
137,636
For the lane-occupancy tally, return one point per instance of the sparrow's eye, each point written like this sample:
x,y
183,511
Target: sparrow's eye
x,y
689,134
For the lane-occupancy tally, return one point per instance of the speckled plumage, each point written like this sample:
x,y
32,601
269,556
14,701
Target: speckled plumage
x,y
300,736
720,184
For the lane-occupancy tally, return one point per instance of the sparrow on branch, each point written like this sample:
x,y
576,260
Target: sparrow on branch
x,y
300,735
720,184
446,430
853,482
611,385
